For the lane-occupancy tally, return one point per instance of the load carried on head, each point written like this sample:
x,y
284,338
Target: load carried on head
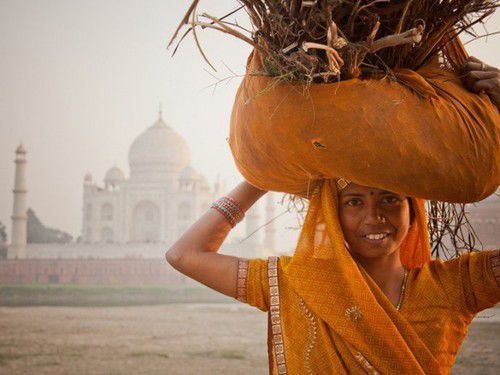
x,y
366,90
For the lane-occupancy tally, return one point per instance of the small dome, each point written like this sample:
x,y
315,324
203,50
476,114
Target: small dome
x,y
114,175
189,173
20,149
88,177
158,150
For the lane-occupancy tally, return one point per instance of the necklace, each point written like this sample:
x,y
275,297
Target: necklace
x,y
402,290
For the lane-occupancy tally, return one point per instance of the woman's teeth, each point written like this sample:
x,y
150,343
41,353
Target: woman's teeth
x,y
377,236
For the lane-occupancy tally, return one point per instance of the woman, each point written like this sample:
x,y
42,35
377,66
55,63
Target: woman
x,y
360,294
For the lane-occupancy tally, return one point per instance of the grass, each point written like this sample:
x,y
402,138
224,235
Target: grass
x,y
104,295
148,354
4,357
224,354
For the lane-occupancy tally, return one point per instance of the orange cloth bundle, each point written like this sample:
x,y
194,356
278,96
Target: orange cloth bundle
x,y
424,135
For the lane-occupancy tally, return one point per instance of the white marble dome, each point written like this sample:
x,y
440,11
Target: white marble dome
x,y
158,149
114,175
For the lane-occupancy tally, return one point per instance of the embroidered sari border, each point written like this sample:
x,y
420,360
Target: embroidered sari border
x,y
241,281
274,311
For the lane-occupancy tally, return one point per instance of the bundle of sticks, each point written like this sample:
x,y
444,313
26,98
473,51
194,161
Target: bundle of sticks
x,y
331,40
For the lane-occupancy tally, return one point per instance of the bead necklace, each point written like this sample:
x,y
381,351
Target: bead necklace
x,y
402,290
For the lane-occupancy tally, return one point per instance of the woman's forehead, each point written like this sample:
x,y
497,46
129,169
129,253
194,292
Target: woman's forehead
x,y
353,188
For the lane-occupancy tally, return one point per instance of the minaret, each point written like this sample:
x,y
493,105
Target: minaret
x,y
270,228
219,186
87,210
17,248
252,220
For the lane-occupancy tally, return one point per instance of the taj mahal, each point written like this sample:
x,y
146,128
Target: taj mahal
x,y
162,196
129,222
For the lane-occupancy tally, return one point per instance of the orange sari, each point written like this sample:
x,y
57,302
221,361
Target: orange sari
x,y
327,315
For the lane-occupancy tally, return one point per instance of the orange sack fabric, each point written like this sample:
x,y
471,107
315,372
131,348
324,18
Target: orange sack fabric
x,y
424,135
334,318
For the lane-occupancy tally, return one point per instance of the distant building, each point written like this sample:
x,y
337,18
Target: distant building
x,y
157,203
128,223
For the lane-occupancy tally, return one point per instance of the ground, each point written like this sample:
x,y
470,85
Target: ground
x,y
177,338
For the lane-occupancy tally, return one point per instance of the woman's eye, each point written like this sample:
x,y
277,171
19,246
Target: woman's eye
x,y
352,202
391,199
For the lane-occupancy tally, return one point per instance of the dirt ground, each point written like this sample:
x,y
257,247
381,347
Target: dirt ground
x,y
167,339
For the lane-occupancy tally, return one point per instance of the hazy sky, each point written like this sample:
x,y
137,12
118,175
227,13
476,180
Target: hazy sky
x,y
79,80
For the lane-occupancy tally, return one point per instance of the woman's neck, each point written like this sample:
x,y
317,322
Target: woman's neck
x,y
387,272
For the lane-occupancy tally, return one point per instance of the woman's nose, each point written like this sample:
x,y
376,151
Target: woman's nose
x,y
375,215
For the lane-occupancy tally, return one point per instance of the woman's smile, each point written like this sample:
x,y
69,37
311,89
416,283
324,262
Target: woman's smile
x,y
377,238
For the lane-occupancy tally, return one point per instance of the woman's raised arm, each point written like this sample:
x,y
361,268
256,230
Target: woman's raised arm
x,y
195,252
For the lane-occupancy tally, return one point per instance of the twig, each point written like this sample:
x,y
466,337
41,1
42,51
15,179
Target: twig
x,y
408,37
185,21
195,36
481,36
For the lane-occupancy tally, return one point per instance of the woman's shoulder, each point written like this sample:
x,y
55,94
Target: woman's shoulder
x,y
471,279
476,257
460,266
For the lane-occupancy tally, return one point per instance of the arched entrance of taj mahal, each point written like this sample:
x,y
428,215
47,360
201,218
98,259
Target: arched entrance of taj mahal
x,y
145,222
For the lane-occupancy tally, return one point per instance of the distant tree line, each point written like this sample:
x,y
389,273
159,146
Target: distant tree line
x,y
3,234
39,233
3,241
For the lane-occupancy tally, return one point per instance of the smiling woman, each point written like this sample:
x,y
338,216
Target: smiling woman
x,y
360,294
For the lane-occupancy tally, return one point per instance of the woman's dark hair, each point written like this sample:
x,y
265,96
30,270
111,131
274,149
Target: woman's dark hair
x,y
412,210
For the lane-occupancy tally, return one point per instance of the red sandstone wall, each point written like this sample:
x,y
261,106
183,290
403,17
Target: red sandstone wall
x,y
90,271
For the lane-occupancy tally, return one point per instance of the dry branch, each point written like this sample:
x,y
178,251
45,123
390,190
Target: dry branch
x,y
342,36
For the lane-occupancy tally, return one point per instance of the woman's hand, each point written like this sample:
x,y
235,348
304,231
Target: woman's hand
x,y
479,77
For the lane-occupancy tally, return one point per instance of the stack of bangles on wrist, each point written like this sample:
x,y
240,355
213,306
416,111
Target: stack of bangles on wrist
x,y
229,209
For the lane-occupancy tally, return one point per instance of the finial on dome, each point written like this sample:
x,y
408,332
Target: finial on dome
x,y
20,149
160,112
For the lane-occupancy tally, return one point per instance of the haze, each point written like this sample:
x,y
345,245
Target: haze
x,y
81,79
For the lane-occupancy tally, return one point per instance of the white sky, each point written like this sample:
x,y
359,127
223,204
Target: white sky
x,y
79,80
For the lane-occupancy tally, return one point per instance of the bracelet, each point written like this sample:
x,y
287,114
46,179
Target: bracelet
x,y
225,213
230,209
233,208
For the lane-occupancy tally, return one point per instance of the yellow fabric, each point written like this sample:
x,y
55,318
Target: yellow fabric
x,y
440,301
424,135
